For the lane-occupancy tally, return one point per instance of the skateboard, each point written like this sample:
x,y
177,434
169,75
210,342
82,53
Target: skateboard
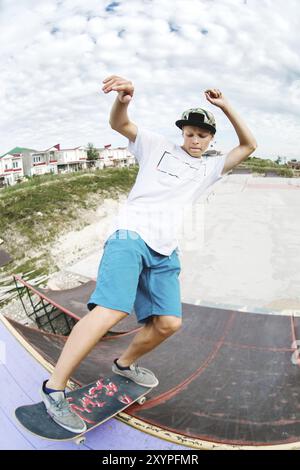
x,y
95,403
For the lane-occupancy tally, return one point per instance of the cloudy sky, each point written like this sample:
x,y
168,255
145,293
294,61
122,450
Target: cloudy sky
x,y
55,53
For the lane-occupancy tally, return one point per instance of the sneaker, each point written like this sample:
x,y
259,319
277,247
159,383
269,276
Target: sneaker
x,y
139,375
58,408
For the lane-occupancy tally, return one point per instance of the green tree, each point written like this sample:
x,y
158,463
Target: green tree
x,y
92,152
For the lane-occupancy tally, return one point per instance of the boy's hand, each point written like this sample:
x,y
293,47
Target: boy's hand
x,y
215,96
124,87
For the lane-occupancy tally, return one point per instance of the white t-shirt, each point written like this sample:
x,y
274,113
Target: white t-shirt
x,y
168,185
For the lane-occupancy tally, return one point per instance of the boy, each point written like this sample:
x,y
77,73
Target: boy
x,y
140,265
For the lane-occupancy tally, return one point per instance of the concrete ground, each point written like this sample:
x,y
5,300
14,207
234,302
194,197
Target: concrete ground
x,y
247,247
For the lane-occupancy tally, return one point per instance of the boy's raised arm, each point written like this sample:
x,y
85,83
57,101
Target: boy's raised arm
x,y
247,141
119,119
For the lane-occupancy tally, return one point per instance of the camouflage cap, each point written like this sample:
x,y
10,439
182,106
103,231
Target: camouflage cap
x,y
197,117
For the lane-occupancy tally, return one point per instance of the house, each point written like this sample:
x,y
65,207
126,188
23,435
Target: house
x,y
73,159
211,151
30,162
56,160
11,166
41,162
20,162
294,164
115,157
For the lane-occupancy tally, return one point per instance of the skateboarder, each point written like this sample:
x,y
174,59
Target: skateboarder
x,y
140,265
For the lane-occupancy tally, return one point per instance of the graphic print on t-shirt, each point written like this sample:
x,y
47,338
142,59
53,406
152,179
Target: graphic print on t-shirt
x,y
169,181
174,166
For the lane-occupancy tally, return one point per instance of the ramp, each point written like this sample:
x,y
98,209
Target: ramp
x,y
69,305
22,371
228,379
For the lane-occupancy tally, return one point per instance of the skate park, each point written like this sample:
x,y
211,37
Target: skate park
x,y
236,356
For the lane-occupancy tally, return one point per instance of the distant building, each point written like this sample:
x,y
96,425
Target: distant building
x,y
115,157
41,162
55,160
211,151
20,162
70,160
11,166
294,164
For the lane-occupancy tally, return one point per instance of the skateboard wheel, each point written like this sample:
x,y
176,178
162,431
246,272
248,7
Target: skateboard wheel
x,y
141,401
80,441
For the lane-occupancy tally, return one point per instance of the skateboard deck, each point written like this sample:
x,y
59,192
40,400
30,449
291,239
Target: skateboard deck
x,y
95,403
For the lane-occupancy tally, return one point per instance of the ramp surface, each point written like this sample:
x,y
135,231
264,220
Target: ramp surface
x,y
73,302
21,375
227,378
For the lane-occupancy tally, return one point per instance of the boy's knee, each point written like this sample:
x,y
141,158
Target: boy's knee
x,y
167,325
107,315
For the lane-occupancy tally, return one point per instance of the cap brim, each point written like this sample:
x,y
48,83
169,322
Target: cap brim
x,y
181,122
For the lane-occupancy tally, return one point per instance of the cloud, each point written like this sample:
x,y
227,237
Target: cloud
x,y
56,53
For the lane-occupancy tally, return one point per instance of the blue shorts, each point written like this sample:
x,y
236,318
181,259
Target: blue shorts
x,y
132,276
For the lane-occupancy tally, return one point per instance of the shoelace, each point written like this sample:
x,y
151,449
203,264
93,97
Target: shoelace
x,y
63,407
138,371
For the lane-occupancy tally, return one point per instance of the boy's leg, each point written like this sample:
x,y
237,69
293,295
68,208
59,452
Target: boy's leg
x,y
83,337
159,283
151,335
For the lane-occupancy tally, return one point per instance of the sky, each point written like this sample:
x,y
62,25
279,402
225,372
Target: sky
x,y
55,54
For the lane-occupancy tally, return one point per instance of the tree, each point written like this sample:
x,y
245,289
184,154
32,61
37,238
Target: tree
x,y
92,152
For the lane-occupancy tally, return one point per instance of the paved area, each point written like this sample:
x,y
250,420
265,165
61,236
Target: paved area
x,y
248,252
